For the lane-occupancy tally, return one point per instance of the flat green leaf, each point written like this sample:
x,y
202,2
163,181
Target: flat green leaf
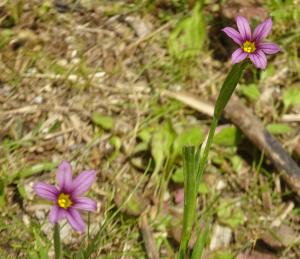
x,y
291,96
203,188
237,163
250,91
161,144
230,214
229,136
5,37
188,37
145,134
177,176
21,190
269,71
32,170
105,122
190,137
279,128
117,143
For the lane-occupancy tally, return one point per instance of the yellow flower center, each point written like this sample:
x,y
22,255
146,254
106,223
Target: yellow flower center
x,y
64,201
249,46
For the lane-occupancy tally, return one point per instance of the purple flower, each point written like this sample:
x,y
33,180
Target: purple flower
x,y
67,198
251,45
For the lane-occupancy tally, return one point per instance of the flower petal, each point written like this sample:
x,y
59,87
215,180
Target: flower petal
x,y
56,214
244,27
262,30
64,176
238,55
84,203
268,47
75,220
259,59
233,34
83,182
46,191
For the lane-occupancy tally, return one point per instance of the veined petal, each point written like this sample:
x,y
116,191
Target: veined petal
x,y
233,34
75,220
259,59
238,55
268,47
46,191
83,182
262,30
84,203
64,176
244,27
56,214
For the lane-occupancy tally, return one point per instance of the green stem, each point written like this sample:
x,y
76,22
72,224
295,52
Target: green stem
x,y
88,231
200,243
226,92
228,87
57,243
190,164
194,164
204,154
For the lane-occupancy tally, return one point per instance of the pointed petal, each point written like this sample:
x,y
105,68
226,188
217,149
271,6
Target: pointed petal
x,y
64,176
233,34
84,203
268,47
46,191
244,27
56,214
262,30
75,220
238,55
83,182
259,59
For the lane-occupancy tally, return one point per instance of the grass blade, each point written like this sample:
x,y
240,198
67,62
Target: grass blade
x,y
190,157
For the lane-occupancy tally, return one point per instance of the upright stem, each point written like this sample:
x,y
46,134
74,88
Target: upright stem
x,y
193,167
190,163
205,152
88,232
226,92
57,243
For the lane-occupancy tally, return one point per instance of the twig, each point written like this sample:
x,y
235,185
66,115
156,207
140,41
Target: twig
x,y
282,216
29,109
147,234
190,100
255,131
147,37
252,127
291,118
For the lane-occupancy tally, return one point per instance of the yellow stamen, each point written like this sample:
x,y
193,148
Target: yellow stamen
x,y
249,46
64,201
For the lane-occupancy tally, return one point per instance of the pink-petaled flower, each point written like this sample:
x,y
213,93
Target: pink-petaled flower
x,y
251,45
67,197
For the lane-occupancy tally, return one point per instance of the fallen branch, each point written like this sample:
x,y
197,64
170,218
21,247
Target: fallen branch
x,y
254,130
148,238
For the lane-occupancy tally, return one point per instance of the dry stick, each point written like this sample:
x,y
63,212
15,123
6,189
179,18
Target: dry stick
x,y
147,37
254,130
148,238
